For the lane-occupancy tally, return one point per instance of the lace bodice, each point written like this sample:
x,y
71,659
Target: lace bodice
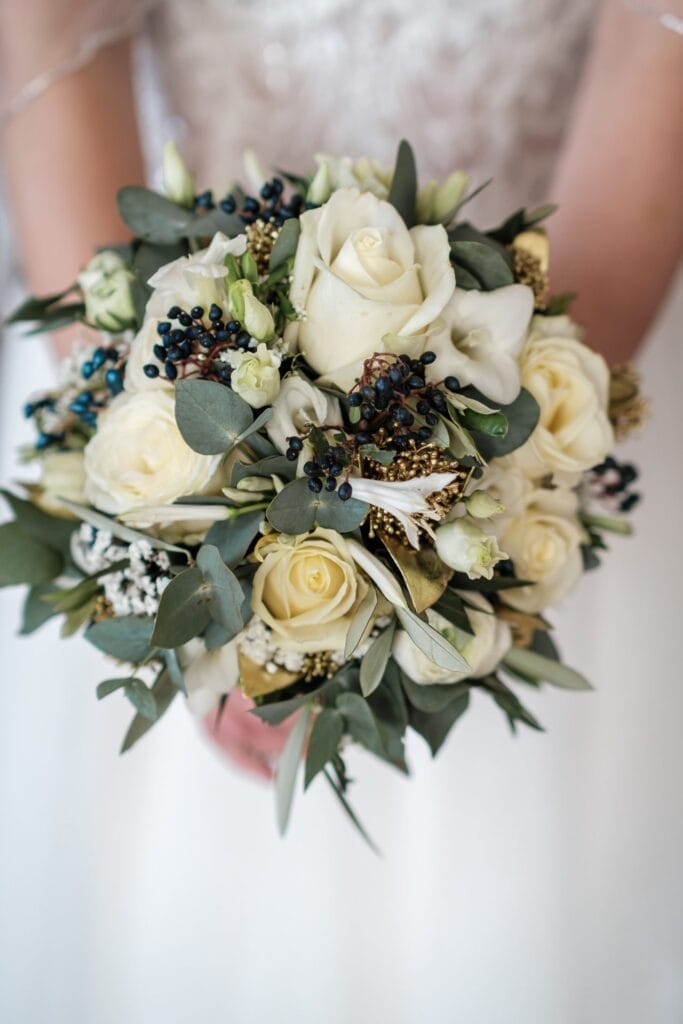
x,y
486,85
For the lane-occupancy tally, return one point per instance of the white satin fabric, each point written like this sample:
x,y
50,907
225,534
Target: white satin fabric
x,y
534,878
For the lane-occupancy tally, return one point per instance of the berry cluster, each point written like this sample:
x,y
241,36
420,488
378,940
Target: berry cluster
x,y
197,342
613,480
268,207
395,406
330,462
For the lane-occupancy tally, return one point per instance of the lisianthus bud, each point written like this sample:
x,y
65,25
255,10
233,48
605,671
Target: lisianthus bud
x,y
178,182
435,202
256,376
105,283
466,548
256,317
319,190
482,505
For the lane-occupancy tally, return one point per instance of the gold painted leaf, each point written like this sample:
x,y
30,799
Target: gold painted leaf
x,y
423,572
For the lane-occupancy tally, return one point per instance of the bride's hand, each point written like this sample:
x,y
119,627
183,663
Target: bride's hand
x,y
250,743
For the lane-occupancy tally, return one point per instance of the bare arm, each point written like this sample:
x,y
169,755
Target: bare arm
x,y
65,155
618,235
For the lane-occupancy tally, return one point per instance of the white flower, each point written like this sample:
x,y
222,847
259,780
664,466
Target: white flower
x,y
178,182
483,651
507,483
335,172
63,476
105,283
571,385
544,543
208,675
195,280
298,406
256,375
138,456
359,274
482,505
257,318
466,548
481,337
435,202
406,500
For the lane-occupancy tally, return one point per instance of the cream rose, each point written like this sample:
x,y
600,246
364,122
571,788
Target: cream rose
x,y
480,340
307,589
196,280
63,476
105,284
298,406
571,385
544,543
482,651
138,456
360,274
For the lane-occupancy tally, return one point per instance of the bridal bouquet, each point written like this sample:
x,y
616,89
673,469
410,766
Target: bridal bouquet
x,y
331,444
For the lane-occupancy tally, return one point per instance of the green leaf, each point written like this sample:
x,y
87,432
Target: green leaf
x,y
183,610
403,191
285,244
296,509
78,617
360,622
163,691
126,533
68,600
452,607
326,734
483,262
271,465
36,611
54,531
142,698
153,217
545,670
435,726
522,416
278,712
110,686
126,638
339,793
285,776
494,424
210,416
360,720
226,595
374,663
510,704
35,307
613,524
433,645
23,559
174,670
433,697
461,582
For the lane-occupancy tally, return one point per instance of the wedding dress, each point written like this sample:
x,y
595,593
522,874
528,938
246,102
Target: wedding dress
x,y
528,878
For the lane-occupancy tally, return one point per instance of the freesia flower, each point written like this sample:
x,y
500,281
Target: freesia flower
x,y
405,500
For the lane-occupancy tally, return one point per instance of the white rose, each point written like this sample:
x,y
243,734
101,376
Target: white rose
x,y
178,182
360,274
138,456
195,280
466,548
544,543
256,375
480,340
63,476
307,589
208,675
571,385
105,284
298,406
483,651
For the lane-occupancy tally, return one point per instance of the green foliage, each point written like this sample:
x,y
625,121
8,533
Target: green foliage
x,y
360,622
435,726
53,531
508,702
233,537
210,416
520,221
374,663
522,417
225,594
117,529
403,191
154,218
139,695
433,645
285,776
24,559
126,637
432,698
481,263
163,692
48,312
326,734
296,509
183,610
494,424
285,245
36,611
544,669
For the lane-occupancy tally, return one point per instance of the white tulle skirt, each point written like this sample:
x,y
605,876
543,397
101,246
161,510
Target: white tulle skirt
x,y
534,878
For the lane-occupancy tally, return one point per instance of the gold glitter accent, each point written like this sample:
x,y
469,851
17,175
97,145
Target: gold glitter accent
x,y
528,270
523,625
411,463
628,410
103,609
318,666
261,237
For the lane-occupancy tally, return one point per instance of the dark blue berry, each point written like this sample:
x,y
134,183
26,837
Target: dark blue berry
x,y
415,382
383,385
206,340
228,205
345,491
452,383
171,370
424,433
87,370
174,353
362,437
296,443
159,352
315,484
431,419
330,483
197,312
266,191
355,399
427,357
278,186
423,407
251,205
232,326
225,373
164,327
311,468
242,340
404,416
629,502
99,357
395,375
215,313
150,370
367,412
368,392
185,319
291,454
29,409
174,312
176,336
186,349
114,381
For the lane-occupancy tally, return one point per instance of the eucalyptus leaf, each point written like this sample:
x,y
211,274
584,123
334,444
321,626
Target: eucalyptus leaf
x,y
326,734
36,611
142,698
285,244
360,721
125,533
126,637
225,595
522,416
153,217
233,537
279,711
360,622
54,531
431,643
403,191
110,686
271,465
183,610
374,663
545,670
23,559
163,691
482,261
296,510
174,670
434,727
285,776
210,416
